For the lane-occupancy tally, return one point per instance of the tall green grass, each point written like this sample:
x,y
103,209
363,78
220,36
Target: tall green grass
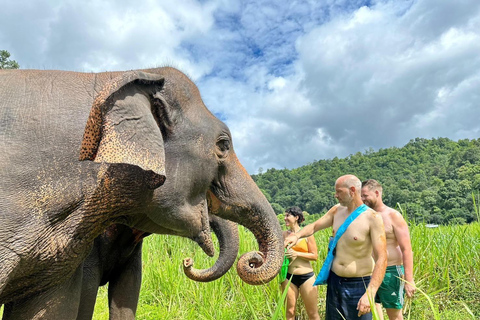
x,y
476,205
446,269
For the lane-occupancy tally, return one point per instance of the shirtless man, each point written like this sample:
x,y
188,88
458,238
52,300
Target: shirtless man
x,y
399,252
355,276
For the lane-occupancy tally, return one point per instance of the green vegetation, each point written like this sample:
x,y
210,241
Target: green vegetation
x,y
5,62
433,179
447,260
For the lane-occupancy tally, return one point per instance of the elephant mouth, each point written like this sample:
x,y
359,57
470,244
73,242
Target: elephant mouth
x,y
204,240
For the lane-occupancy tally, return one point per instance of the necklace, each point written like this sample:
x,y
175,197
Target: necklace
x,y
295,231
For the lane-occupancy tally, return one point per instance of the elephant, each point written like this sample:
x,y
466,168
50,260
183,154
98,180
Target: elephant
x,y
116,258
81,152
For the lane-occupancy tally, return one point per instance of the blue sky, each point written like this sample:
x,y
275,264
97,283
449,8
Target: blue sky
x,y
295,81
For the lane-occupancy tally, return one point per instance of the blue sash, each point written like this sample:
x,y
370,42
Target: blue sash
x,y
327,265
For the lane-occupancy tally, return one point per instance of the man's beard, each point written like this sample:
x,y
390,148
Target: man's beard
x,y
346,201
370,204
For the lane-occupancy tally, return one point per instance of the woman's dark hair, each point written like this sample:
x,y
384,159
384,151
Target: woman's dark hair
x,y
296,212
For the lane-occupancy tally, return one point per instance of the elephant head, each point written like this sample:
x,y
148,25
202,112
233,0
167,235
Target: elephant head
x,y
194,151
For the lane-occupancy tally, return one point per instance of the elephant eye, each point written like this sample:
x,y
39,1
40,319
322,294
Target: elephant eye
x,y
223,146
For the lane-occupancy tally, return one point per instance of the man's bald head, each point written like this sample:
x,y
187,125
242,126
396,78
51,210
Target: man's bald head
x,y
348,181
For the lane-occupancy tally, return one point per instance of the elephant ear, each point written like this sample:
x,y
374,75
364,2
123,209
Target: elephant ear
x,y
121,127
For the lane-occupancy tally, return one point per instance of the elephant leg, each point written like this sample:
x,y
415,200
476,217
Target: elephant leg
x,y
91,281
60,302
7,271
124,287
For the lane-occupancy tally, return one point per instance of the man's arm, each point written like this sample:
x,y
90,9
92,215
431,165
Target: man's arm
x,y
379,245
324,222
400,228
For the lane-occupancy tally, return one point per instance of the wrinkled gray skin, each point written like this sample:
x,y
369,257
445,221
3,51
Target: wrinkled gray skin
x,y
116,259
133,129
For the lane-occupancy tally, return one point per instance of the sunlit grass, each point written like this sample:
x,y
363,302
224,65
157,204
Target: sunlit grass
x,y
476,205
446,269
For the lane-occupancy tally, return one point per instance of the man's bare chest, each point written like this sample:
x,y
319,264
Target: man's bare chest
x,y
357,232
387,223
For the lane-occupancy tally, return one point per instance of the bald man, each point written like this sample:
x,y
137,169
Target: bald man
x,y
355,275
399,253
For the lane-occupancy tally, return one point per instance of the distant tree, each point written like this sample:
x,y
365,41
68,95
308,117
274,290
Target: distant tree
x,y
5,62
432,179
458,220
277,208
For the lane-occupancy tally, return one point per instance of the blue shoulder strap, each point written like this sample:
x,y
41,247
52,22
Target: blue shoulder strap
x,y
347,222
327,264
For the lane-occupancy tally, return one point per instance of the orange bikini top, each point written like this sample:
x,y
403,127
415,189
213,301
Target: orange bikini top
x,y
301,246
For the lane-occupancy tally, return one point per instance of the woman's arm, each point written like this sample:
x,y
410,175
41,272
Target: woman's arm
x,y
311,255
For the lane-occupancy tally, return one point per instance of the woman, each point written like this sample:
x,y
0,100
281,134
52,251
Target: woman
x,y
300,270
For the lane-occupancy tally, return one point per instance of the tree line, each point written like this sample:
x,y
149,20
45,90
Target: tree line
x,y
433,180
6,62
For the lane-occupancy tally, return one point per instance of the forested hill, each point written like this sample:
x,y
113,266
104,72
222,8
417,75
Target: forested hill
x,y
433,180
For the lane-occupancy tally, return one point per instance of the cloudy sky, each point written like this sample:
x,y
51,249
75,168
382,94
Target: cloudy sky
x,y
296,81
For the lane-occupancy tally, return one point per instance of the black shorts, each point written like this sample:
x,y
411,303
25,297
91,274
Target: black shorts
x,y
343,295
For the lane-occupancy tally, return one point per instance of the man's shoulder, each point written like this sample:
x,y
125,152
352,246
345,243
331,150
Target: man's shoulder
x,y
373,217
333,210
371,212
368,213
392,213
389,211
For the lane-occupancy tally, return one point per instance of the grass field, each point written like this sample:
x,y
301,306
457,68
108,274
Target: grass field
x,y
446,268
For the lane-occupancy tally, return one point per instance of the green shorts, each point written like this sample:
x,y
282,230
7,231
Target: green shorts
x,y
391,292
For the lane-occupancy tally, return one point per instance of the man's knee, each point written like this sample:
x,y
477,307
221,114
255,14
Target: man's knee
x,y
394,314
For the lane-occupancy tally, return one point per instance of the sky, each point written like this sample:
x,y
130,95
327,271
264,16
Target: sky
x,y
295,81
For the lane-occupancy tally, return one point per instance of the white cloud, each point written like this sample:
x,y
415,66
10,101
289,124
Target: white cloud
x,y
295,81
104,35
372,73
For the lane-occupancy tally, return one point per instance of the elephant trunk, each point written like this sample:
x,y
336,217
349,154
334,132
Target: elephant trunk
x,y
262,266
227,235
235,196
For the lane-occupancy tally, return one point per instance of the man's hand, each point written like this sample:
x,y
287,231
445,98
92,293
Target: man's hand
x,y
290,241
291,254
410,289
363,305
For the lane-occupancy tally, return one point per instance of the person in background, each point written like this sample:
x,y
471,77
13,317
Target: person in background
x,y
399,251
354,276
300,270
